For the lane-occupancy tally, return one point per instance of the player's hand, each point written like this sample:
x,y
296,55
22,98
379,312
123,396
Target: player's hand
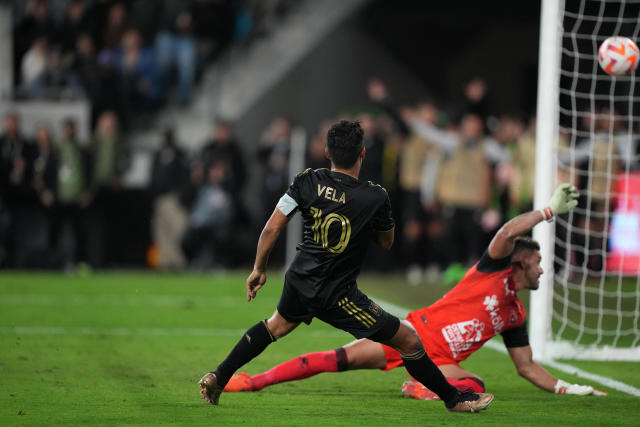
x,y
565,198
563,387
255,281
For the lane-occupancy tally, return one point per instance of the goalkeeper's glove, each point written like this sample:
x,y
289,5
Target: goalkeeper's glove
x,y
563,387
563,200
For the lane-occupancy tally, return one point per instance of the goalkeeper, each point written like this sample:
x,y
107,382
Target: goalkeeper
x,y
482,305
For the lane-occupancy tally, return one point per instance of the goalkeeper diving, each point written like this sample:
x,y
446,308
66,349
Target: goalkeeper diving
x,y
483,304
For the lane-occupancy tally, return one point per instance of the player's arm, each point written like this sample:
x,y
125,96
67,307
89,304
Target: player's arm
x,y
268,238
529,369
537,375
385,238
563,200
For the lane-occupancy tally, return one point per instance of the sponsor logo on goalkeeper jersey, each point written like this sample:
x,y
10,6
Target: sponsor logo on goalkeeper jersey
x,y
491,305
462,335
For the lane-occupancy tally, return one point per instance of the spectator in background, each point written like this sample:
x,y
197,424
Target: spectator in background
x,y
45,167
111,96
374,144
33,62
475,93
316,156
74,25
175,45
72,196
273,153
145,16
109,154
136,67
109,157
210,218
56,81
464,182
415,151
36,24
44,183
85,66
16,153
169,176
223,147
115,27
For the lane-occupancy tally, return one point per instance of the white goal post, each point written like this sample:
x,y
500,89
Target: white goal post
x,y
588,133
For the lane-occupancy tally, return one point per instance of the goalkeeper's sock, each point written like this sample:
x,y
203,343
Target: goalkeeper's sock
x,y
254,341
302,367
471,384
426,372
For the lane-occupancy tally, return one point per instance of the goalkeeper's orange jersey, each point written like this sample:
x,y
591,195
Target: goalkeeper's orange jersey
x,y
481,306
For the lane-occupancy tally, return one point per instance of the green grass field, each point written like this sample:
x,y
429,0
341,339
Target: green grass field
x,y
128,348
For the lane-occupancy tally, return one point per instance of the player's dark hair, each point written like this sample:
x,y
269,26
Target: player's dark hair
x,y
524,244
344,142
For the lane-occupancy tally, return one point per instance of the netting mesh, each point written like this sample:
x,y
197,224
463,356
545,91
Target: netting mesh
x,y
596,298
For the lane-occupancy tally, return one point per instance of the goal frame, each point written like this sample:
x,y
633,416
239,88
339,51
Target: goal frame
x,y
541,302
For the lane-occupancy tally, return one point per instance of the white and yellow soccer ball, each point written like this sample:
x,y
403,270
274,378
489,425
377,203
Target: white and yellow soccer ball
x,y
618,55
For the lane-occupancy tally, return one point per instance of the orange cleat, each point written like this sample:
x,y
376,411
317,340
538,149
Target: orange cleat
x,y
415,390
239,382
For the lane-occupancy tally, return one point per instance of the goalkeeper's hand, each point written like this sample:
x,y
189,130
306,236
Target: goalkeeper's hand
x,y
565,198
563,387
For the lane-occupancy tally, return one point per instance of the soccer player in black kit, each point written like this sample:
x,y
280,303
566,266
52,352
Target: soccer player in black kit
x,y
341,216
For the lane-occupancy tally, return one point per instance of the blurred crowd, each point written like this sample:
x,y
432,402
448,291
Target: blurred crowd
x,y
125,55
454,175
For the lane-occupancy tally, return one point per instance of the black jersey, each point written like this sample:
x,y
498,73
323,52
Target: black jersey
x,y
341,215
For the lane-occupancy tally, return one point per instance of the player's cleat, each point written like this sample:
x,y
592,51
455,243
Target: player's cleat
x,y
239,382
210,390
470,402
415,390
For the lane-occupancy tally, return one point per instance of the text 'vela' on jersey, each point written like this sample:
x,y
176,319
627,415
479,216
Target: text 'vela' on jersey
x,y
341,215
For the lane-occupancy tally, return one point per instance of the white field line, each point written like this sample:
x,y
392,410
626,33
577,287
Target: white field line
x,y
566,368
173,301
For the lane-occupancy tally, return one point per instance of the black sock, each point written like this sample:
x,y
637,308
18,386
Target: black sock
x,y
254,341
424,370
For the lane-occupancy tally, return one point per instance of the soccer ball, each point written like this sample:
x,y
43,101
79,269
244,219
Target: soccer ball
x,y
618,55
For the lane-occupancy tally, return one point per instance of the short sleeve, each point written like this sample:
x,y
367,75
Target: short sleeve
x,y
490,265
516,337
295,189
383,218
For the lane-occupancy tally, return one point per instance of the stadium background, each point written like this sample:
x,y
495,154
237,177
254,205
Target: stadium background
x,y
258,62
187,114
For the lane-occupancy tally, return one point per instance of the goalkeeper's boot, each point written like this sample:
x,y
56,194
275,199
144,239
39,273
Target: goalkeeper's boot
x,y
415,390
239,382
469,402
210,390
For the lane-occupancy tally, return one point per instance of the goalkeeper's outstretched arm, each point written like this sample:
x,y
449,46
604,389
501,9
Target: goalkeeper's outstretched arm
x,y
563,200
537,375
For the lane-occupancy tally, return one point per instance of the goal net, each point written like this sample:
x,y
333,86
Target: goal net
x,y
588,134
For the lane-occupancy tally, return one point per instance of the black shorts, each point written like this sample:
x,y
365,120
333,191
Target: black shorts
x,y
353,312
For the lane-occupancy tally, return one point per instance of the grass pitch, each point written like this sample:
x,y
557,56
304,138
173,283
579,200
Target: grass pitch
x,y
116,348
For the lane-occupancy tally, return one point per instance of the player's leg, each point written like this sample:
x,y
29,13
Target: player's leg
x,y
360,354
407,342
456,376
253,342
461,379
357,314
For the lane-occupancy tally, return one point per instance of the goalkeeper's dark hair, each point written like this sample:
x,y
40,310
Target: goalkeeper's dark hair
x,y
523,245
344,142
